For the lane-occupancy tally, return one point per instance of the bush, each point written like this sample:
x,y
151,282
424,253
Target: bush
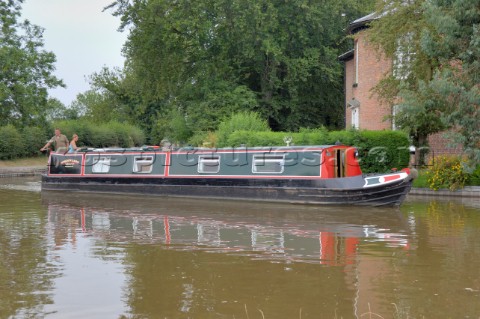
x,y
80,127
11,143
203,139
102,135
244,121
348,137
474,177
248,138
33,139
137,137
447,172
310,136
14,144
379,151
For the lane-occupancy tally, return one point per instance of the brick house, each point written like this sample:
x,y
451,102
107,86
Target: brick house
x,y
364,68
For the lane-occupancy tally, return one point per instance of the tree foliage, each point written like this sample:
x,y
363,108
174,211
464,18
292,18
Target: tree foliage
x,y
56,110
396,34
243,121
211,58
455,40
26,69
435,46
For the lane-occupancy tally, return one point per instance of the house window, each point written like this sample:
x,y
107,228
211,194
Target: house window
x,y
404,54
355,118
208,164
102,165
268,163
395,109
354,106
143,164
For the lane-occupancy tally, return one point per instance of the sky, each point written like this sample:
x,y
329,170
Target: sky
x,y
83,38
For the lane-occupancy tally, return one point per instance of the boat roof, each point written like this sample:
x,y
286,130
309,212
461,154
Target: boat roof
x,y
146,148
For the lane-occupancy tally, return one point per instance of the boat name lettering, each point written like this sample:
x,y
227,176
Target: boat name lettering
x,y
69,162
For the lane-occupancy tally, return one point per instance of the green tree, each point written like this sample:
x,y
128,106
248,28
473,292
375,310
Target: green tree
x,y
209,58
116,95
434,46
242,121
178,129
56,110
26,69
396,34
97,107
454,39
217,100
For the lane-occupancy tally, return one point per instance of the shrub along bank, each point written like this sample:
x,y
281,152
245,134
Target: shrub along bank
x,y
111,134
16,143
26,142
379,151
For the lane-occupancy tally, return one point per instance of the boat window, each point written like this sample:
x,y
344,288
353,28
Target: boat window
x,y
208,164
142,164
102,165
268,163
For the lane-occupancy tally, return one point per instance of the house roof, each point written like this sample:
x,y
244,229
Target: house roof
x,y
347,55
354,27
362,22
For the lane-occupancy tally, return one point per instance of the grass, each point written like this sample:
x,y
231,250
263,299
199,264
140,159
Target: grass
x,y
21,162
421,180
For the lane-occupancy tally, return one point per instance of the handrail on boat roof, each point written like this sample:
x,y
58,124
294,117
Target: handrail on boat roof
x,y
190,148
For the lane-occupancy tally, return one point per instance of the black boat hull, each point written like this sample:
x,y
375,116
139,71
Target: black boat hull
x,y
344,191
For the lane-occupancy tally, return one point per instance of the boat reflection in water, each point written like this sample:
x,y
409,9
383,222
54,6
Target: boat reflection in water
x,y
276,232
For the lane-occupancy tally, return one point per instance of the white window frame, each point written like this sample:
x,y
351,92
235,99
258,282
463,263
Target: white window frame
x,y
208,161
355,117
143,164
404,55
260,161
102,165
395,110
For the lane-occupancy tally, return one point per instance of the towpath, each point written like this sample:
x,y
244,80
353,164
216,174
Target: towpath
x,y
19,171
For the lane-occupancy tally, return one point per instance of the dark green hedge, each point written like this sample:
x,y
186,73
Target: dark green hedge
x,y
11,142
33,139
474,177
112,134
379,151
27,142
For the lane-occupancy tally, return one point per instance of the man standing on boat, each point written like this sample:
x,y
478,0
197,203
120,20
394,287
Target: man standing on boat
x,y
59,141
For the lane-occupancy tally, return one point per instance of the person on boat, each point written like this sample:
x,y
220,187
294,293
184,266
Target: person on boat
x,y
59,141
166,145
73,144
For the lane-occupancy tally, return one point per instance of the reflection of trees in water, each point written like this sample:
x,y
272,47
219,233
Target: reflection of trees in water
x,y
446,218
170,273
331,244
181,284
210,261
26,271
433,281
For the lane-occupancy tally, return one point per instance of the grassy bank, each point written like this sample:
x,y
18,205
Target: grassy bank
x,y
421,180
24,162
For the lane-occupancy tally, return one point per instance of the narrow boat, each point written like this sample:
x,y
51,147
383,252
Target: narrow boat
x,y
317,175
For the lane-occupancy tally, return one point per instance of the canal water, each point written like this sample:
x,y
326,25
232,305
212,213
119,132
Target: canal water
x,y
71,255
